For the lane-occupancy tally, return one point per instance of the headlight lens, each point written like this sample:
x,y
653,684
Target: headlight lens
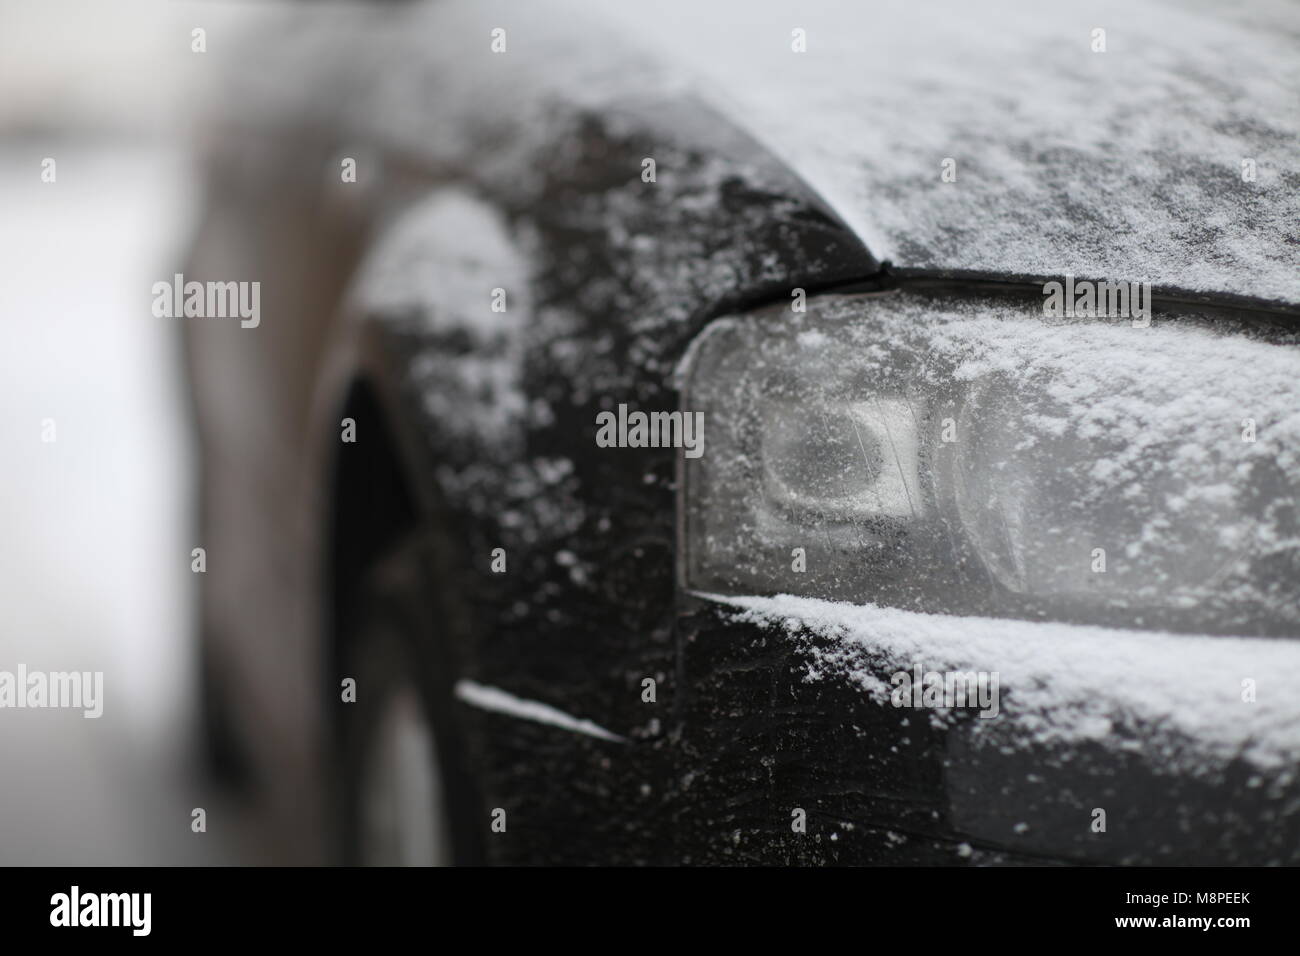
x,y
857,460
978,458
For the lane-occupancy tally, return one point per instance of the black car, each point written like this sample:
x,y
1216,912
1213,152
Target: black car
x,y
757,433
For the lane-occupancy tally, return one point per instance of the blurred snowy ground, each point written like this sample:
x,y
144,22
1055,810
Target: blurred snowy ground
x,y
94,539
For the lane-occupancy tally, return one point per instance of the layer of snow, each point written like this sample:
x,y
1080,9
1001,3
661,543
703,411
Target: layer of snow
x,y
498,701
438,266
1177,697
1121,164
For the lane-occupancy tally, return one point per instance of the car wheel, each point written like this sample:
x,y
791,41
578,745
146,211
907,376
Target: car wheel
x,y
402,782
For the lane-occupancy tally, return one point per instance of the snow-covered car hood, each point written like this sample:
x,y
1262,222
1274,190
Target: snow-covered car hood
x,y
1128,164
1124,164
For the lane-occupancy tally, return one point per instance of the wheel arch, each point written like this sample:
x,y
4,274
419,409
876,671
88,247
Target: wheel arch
x,y
369,505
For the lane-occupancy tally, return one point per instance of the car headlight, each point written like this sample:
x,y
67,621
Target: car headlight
x,y
979,458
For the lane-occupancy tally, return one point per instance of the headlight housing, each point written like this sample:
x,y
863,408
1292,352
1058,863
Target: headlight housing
x,y
976,457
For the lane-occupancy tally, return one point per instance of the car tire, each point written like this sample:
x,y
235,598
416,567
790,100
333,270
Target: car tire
x,y
402,782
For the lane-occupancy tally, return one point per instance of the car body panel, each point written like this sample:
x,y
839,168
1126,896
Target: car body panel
x,y
606,278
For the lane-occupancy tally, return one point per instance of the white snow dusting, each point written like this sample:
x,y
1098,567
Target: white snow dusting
x,y
438,265
1125,163
1067,683
498,701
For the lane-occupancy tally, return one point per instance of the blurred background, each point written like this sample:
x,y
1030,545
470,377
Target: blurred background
x,y
95,526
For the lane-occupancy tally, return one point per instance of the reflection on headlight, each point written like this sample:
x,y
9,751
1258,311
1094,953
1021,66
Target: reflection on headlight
x,y
852,461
